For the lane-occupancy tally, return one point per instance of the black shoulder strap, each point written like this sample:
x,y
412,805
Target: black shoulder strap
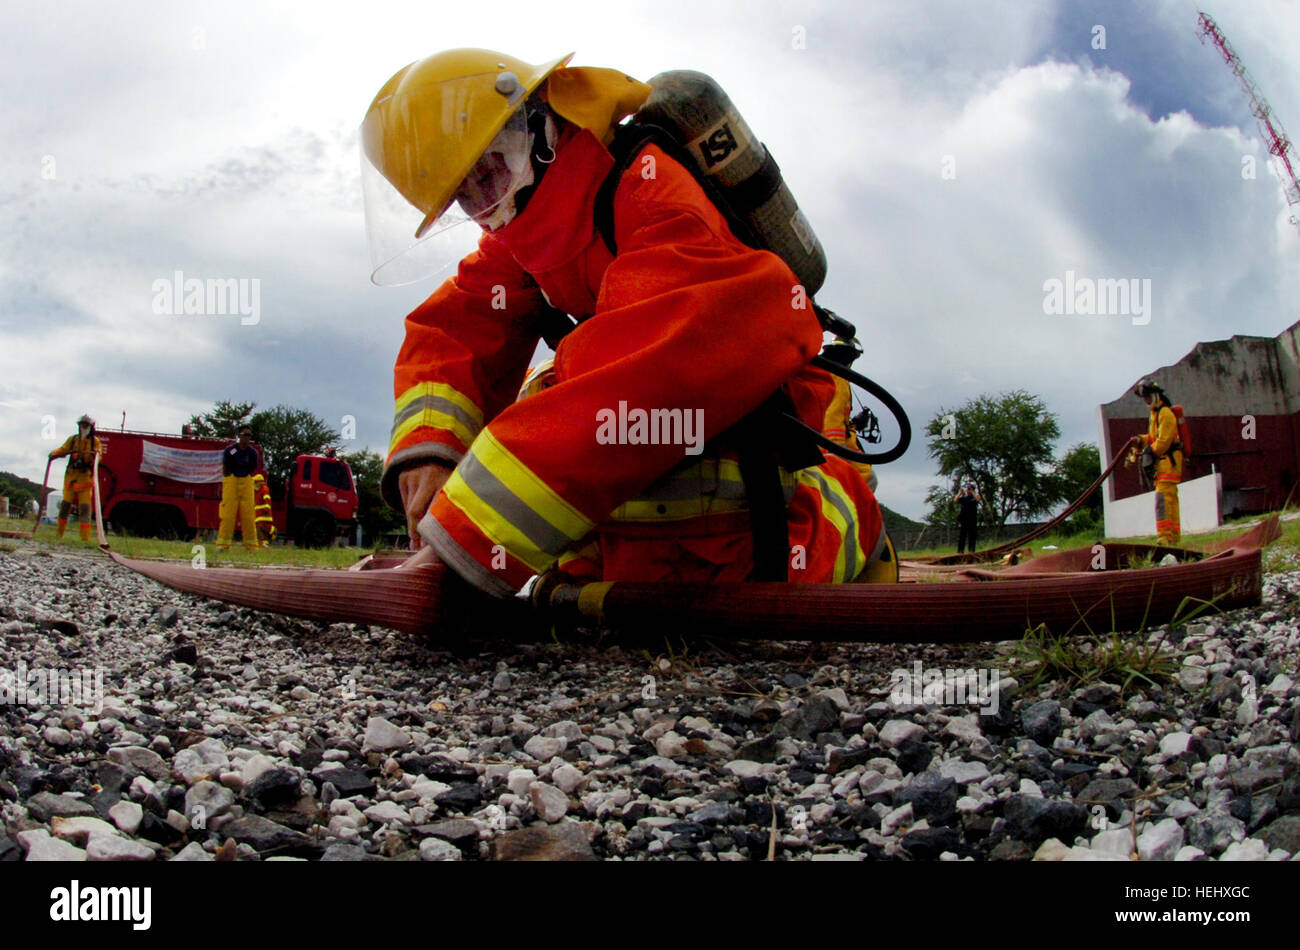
x,y
629,141
631,138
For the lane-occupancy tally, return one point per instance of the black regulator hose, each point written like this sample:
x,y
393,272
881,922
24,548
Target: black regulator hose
x,y
889,402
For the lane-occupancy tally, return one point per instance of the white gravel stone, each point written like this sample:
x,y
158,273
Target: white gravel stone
x,y
58,736
1251,849
1280,685
193,852
964,773
1051,850
255,765
41,847
127,816
206,759
113,848
1161,841
1180,808
670,745
744,768
838,697
544,748
519,780
898,731
80,830
896,818
1175,744
382,736
209,799
385,812
548,801
962,728
1118,841
435,849
568,779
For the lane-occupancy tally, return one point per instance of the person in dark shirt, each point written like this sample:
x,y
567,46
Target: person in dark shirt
x,y
239,462
968,503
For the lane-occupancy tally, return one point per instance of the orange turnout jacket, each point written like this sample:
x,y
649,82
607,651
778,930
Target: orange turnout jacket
x,y
681,335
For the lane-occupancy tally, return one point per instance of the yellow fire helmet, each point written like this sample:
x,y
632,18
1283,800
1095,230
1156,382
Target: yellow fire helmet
x,y
541,376
423,134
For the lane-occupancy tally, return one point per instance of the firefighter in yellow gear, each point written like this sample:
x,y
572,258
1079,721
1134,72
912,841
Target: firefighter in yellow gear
x,y
838,425
239,462
1167,451
262,510
78,485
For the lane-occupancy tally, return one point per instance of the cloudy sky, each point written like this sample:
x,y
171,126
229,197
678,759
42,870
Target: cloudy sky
x,y
952,156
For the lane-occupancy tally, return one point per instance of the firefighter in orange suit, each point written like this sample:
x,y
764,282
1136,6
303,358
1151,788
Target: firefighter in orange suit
x,y
239,462
1162,439
262,510
78,484
684,321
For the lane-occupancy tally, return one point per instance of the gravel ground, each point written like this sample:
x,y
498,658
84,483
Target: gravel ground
x,y
227,734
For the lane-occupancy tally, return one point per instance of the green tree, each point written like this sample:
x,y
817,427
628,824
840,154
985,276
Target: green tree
x,y
224,421
372,514
285,433
1078,469
1004,445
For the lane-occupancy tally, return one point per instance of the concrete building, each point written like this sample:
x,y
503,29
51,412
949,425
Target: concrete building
x,y
1241,397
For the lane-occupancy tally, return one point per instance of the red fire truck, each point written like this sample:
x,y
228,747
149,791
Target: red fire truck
x,y
163,485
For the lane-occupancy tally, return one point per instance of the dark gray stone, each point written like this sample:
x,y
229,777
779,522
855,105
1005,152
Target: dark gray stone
x,y
1034,820
1042,721
461,798
933,797
1283,833
263,835
45,805
273,788
928,843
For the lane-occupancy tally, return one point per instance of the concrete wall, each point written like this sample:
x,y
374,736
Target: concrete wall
x,y
1199,507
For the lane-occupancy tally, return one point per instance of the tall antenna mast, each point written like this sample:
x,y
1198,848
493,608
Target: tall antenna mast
x,y
1279,146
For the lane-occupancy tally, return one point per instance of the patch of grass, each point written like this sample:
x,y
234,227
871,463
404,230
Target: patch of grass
x,y
1113,657
236,556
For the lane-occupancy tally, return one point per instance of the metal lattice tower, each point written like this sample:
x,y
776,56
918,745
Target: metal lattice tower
x,y
1279,146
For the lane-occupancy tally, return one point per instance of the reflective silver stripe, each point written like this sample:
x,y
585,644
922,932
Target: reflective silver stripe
x,y
497,495
445,546
437,404
851,553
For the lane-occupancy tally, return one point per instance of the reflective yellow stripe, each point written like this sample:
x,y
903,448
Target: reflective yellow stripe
x,y
440,391
512,506
434,420
835,502
438,406
707,487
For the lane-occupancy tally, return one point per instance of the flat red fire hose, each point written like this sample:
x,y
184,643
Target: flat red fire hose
x,y
976,605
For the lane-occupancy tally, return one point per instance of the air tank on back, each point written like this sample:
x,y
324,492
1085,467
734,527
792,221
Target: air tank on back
x,y
724,149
